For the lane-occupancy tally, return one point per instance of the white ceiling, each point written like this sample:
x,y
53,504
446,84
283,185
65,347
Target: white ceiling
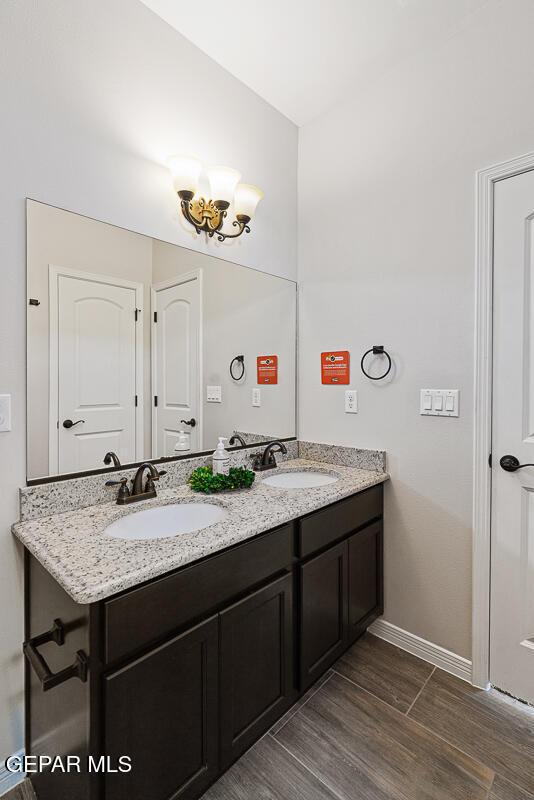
x,y
304,56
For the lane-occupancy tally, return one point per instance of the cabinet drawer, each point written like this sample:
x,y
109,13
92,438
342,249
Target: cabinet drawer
x,y
321,528
153,611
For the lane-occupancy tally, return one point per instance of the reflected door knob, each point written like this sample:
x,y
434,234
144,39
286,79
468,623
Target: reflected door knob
x,y
511,464
68,423
192,422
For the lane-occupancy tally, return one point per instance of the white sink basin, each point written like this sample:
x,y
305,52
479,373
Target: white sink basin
x,y
165,521
300,480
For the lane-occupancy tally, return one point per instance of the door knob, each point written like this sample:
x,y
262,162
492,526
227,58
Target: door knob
x,y
68,423
192,422
511,464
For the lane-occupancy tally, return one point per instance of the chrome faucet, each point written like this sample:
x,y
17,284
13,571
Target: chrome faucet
x,y
266,460
138,491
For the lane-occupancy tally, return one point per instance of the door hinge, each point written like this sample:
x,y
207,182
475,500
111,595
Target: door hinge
x,y
490,460
155,399
136,401
155,316
137,312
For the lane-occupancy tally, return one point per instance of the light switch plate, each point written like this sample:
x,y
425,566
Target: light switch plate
x,y
256,398
351,401
214,394
440,402
5,412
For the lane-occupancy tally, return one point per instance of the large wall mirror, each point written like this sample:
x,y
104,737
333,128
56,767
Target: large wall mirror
x,y
130,342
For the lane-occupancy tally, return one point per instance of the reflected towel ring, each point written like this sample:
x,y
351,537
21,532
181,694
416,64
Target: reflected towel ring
x,y
376,350
240,360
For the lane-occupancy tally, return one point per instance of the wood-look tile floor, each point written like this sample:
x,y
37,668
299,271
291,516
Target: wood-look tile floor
x,y
384,725
23,791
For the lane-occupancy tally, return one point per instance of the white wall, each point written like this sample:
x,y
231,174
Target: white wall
x,y
389,259
94,95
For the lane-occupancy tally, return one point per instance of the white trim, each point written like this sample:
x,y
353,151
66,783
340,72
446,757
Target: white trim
x,y
485,185
193,275
54,272
8,780
428,651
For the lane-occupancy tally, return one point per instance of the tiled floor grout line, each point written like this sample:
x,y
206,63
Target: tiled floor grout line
x,y
420,725
298,707
308,770
417,696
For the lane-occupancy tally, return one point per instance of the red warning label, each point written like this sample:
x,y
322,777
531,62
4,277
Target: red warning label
x,y
335,367
267,369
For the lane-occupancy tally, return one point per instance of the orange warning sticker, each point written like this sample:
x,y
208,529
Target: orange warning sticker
x,y
335,367
267,369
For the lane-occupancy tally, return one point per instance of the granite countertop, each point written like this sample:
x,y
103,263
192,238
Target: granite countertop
x,y
91,565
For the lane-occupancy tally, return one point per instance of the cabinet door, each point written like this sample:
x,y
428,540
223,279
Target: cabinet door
x,y
365,579
161,710
323,612
256,641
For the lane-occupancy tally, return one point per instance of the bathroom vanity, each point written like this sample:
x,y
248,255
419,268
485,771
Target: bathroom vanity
x,y
183,671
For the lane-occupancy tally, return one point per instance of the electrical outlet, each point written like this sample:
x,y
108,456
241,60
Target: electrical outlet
x,y
351,401
256,398
214,394
5,412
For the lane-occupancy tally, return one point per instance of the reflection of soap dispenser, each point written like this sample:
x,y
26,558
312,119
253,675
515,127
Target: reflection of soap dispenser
x,y
221,459
183,441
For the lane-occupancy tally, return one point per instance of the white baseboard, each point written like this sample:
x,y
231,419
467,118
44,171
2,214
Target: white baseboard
x,y
8,780
428,651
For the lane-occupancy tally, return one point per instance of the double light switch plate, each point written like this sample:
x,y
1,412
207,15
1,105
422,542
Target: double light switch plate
x,y
439,402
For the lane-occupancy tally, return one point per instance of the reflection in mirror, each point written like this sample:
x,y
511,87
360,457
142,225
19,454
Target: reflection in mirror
x,y
130,342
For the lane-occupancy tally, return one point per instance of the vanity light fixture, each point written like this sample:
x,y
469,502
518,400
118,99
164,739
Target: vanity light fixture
x,y
209,215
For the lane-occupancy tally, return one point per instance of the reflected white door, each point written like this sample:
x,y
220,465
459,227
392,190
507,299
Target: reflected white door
x,y
95,325
176,356
512,572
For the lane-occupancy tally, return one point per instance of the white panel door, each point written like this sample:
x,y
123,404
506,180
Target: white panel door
x,y
177,364
512,571
96,372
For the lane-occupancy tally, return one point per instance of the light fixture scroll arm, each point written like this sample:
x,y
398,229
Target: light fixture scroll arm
x,y
185,203
241,222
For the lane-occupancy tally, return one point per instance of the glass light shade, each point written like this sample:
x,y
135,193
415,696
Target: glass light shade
x,y
185,172
246,199
223,181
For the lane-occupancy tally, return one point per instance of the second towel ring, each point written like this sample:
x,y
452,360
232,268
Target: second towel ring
x,y
240,360
376,350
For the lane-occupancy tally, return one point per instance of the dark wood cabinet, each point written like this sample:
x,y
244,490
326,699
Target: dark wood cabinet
x,y
186,671
365,584
162,711
323,612
256,636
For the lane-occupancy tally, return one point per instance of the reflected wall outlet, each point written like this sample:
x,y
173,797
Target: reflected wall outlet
x,y
256,398
351,401
5,412
214,394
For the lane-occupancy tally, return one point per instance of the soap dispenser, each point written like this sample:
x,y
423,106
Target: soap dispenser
x,y
221,459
